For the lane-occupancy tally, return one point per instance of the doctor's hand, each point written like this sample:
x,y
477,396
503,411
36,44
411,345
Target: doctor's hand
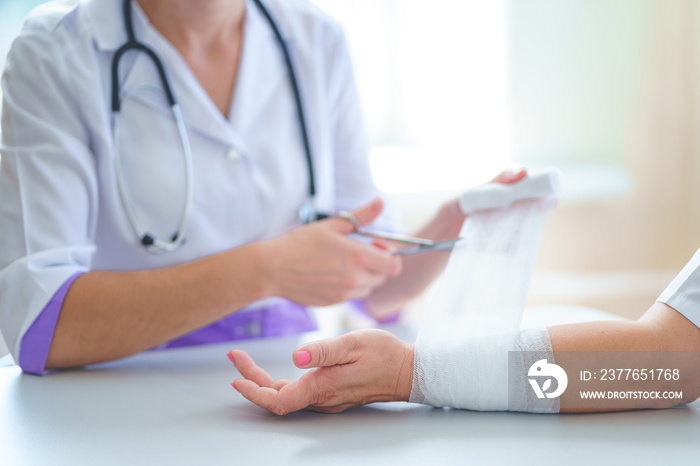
x,y
352,370
453,212
319,265
448,221
509,176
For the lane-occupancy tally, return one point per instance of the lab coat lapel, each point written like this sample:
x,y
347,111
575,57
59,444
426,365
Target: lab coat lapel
x,y
106,22
198,110
261,70
139,79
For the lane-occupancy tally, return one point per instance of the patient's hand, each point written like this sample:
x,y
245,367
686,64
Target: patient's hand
x,y
357,368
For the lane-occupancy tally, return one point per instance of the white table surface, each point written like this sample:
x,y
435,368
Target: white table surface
x,y
177,408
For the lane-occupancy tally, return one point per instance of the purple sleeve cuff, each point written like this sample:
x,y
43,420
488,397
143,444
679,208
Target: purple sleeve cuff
x,y
34,348
360,306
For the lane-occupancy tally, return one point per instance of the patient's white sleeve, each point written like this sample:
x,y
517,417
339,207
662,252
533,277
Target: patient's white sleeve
x,y
683,293
473,320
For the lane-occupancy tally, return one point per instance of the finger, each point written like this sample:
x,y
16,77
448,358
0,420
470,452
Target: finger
x,y
328,352
281,383
382,262
364,215
369,212
265,397
286,400
510,176
251,371
370,280
238,383
367,284
382,244
358,293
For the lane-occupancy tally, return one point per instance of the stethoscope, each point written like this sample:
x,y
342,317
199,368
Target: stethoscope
x,y
307,212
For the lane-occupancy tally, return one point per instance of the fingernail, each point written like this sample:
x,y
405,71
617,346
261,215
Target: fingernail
x,y
378,243
235,388
303,358
233,360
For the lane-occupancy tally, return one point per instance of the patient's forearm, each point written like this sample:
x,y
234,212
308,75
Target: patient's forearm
x,y
605,336
661,329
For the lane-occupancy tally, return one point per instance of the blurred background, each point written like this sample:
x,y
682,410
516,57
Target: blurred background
x,y
607,90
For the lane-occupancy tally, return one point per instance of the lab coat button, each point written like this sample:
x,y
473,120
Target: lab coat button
x,y
254,329
233,154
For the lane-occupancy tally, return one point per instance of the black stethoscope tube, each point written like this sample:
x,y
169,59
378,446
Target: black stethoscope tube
x,y
297,96
133,44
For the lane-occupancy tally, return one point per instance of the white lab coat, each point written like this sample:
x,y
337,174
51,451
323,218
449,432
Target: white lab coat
x,y
60,211
683,293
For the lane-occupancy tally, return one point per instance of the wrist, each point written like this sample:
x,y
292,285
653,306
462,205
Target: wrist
x,y
265,258
404,383
452,217
453,211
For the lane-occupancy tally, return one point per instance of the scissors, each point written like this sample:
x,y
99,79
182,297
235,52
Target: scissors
x,y
418,245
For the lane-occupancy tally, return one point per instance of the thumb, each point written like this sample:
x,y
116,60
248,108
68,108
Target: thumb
x,y
364,215
329,352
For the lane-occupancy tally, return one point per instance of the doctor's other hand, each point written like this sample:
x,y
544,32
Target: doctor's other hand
x,y
450,217
317,264
355,369
510,176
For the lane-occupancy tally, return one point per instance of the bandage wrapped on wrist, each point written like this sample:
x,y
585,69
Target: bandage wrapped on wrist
x,y
472,324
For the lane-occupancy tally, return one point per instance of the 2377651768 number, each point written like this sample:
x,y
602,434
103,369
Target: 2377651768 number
x,y
639,374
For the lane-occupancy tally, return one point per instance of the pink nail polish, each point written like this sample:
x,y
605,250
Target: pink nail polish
x,y
235,388
303,358
230,356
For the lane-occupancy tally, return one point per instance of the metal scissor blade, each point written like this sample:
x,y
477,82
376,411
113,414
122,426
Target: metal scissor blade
x,y
446,245
395,237
420,245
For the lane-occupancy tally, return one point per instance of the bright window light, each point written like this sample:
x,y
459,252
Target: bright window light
x,y
433,82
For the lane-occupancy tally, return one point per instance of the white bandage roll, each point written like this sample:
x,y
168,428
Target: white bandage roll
x,y
535,185
530,346
473,320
